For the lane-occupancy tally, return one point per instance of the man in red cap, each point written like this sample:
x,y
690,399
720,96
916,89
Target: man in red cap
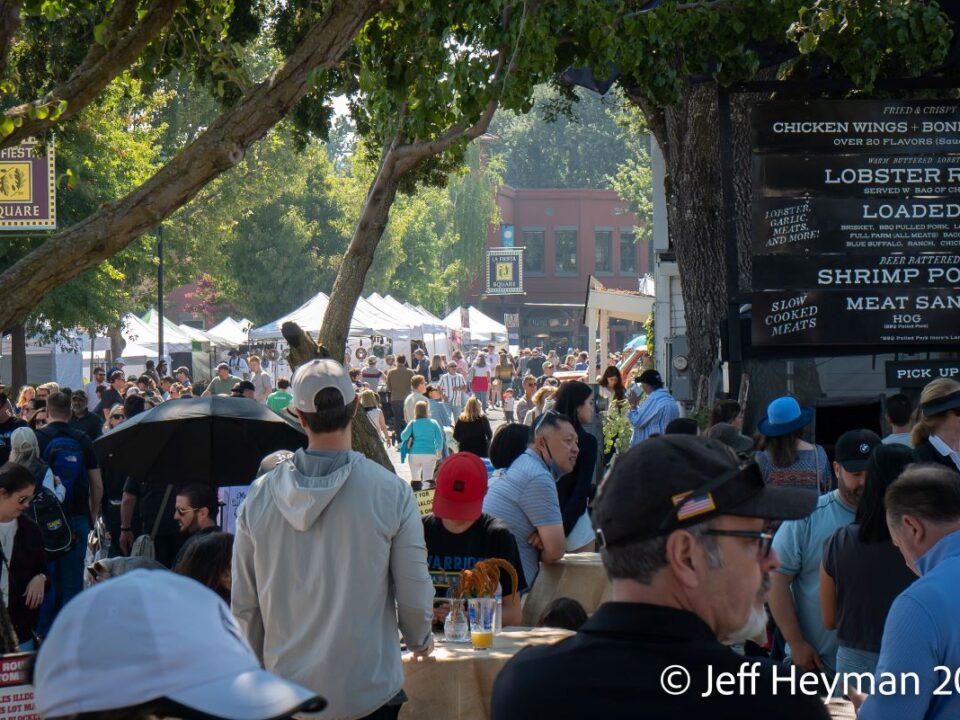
x,y
459,534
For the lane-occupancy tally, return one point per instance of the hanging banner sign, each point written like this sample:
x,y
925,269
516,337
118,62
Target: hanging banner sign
x,y
504,271
857,317
28,191
856,175
789,272
883,126
867,225
917,373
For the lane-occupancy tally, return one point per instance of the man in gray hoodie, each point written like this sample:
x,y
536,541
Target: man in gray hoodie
x,y
330,562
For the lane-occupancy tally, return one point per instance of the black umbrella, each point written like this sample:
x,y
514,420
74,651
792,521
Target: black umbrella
x,y
216,440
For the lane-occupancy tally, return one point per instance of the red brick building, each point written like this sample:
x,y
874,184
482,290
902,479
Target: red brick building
x,y
569,235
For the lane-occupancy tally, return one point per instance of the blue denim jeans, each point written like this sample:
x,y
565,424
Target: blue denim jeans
x,y
851,660
65,574
481,395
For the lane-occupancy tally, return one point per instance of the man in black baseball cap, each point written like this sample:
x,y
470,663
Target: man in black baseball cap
x,y
651,417
683,527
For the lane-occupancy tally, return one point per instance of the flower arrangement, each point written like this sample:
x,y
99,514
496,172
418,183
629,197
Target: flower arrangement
x,y
617,430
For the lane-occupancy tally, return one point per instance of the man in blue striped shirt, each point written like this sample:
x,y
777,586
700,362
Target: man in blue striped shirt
x,y
651,416
921,638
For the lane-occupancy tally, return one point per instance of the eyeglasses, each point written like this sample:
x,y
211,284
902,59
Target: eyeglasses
x,y
182,511
764,539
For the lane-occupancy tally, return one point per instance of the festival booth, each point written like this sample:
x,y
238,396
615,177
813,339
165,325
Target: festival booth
x,y
429,330
230,332
370,327
481,329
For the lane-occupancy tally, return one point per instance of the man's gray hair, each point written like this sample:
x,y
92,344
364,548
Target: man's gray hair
x,y
643,559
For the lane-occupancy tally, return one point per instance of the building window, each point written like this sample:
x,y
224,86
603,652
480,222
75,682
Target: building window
x,y
628,252
566,251
533,255
604,250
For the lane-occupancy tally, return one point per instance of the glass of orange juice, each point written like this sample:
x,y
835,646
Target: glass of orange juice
x,y
482,613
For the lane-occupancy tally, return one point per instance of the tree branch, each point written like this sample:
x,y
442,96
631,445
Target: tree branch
x,y
97,70
9,24
216,150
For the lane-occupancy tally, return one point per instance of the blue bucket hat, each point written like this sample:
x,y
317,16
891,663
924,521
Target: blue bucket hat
x,y
784,416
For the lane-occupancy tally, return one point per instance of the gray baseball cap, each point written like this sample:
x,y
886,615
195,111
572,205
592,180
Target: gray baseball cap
x,y
316,375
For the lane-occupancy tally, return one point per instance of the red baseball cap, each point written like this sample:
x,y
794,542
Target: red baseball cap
x,y
461,485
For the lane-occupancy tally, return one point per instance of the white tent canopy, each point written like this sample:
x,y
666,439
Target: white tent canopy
x,y
135,331
483,328
308,316
235,333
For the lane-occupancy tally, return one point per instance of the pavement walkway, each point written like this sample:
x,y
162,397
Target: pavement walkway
x,y
403,469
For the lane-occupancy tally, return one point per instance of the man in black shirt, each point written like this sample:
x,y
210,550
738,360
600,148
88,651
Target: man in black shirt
x,y
112,395
86,422
458,534
8,423
69,452
196,514
685,546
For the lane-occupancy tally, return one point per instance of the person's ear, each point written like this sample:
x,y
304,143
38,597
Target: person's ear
x,y
682,558
913,528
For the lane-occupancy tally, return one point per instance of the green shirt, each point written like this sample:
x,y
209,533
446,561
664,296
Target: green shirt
x,y
279,400
222,387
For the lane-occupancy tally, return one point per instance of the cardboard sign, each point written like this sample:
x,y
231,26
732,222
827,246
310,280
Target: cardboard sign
x,y
16,696
424,501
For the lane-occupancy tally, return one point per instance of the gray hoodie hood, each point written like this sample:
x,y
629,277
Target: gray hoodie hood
x,y
306,483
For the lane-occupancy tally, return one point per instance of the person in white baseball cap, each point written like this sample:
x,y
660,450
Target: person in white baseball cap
x,y
152,644
335,619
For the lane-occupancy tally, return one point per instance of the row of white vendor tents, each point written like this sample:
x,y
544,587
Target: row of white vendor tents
x,y
383,316
68,360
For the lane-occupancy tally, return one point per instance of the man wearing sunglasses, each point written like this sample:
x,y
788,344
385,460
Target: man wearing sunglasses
x,y
687,549
525,497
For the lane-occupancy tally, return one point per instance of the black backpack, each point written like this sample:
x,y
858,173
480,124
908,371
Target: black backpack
x,y
47,512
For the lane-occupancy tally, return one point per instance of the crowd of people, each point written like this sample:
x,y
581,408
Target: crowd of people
x,y
713,540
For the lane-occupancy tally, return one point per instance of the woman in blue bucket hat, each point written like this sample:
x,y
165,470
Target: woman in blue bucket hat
x,y
785,458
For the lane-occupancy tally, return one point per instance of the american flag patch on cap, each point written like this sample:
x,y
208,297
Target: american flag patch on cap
x,y
693,506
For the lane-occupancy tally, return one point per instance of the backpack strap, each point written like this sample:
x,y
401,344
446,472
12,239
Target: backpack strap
x,y
163,506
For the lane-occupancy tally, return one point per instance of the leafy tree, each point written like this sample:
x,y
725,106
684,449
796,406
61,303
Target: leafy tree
x,y
198,39
568,140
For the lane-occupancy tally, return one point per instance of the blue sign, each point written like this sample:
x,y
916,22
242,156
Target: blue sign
x,y
506,235
504,271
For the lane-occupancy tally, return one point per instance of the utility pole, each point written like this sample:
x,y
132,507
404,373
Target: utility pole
x,y
160,294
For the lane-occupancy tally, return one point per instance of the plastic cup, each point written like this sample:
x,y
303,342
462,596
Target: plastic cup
x,y
482,613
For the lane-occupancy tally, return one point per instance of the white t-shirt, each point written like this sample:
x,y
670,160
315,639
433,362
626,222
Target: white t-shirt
x,y
8,531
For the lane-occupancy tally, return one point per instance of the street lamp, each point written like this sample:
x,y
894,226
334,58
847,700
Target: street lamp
x,y
160,294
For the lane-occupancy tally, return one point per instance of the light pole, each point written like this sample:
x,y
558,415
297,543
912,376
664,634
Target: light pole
x,y
160,294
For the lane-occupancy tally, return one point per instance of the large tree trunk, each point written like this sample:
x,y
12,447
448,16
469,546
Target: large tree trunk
x,y
359,256
18,360
220,147
688,134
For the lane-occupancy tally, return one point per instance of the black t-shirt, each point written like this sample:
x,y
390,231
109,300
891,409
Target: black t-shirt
x,y
6,430
149,496
90,423
473,435
868,576
108,398
448,553
616,667
535,365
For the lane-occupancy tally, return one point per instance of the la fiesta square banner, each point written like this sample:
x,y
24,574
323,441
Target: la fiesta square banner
x,y
28,191
504,271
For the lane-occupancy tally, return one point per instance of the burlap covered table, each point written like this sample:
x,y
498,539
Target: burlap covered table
x,y
456,682
579,576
